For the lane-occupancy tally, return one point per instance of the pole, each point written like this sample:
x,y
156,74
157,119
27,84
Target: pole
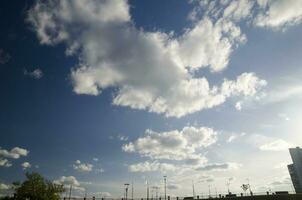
x,y
126,190
147,190
132,190
70,192
193,189
165,179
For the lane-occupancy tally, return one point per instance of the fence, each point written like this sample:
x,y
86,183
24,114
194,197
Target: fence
x,y
255,196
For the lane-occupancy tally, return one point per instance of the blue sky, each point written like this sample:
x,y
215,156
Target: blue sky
x,y
100,93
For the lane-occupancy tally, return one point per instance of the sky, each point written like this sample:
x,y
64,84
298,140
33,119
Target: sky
x,y
99,93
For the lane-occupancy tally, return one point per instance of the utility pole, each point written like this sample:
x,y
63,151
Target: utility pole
x,y
209,191
70,192
165,179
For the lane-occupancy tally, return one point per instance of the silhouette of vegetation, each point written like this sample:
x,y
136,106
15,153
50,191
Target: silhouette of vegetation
x,y
35,187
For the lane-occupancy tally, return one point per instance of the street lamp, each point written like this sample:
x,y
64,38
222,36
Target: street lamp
x,y
165,180
126,190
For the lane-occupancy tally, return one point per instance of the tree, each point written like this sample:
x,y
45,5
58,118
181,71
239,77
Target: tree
x,y
35,187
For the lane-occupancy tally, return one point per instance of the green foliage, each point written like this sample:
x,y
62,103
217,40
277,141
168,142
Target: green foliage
x,y
6,198
35,187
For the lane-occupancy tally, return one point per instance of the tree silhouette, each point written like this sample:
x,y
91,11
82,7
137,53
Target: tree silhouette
x,y
35,187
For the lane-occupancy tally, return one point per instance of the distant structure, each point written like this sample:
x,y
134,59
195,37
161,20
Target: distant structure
x,y
295,169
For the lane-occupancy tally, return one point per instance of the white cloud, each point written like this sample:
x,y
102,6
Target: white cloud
x,y
238,9
82,167
174,145
219,167
35,74
5,163
149,70
151,167
277,145
26,165
67,180
235,136
279,13
4,186
14,153
238,105
95,159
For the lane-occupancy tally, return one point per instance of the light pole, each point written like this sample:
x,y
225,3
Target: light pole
x,y
165,180
147,190
193,189
132,190
126,190
228,183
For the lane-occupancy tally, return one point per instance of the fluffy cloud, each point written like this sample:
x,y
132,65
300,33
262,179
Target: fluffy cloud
x,y
26,165
277,145
4,186
35,74
174,145
219,167
14,153
5,163
235,136
82,167
279,13
151,166
68,181
153,71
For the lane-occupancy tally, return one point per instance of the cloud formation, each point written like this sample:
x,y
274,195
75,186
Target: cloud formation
x,y
5,163
67,180
82,167
35,74
277,145
14,153
151,167
152,71
279,13
26,165
174,145
219,167
4,186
